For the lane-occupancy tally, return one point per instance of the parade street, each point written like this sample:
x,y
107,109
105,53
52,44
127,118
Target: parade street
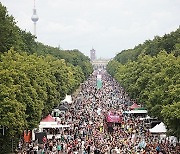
x,y
99,125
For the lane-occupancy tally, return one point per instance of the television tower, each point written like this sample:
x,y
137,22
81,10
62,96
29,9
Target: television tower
x,y
34,18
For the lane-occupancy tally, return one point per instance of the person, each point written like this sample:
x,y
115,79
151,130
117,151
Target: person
x,y
50,145
54,148
20,146
158,149
88,149
75,151
117,150
96,151
35,149
88,132
59,148
44,139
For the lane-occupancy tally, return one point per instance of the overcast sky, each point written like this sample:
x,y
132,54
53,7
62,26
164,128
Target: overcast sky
x,y
108,26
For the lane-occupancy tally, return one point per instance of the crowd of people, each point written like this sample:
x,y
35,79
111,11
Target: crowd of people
x,y
90,133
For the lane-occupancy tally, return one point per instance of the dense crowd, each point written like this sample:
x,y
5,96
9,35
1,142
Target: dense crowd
x,y
91,134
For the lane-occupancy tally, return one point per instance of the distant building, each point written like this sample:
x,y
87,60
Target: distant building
x,y
92,54
100,63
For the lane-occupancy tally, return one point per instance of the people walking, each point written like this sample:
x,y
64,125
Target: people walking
x,y
90,133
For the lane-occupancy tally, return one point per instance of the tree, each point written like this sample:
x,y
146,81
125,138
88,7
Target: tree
x,y
112,67
171,115
169,43
34,78
29,44
152,81
9,32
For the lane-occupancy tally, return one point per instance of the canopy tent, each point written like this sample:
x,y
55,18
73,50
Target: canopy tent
x,y
53,126
147,118
134,106
159,128
49,118
67,99
48,122
136,112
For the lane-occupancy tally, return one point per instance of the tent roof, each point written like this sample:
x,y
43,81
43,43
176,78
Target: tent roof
x,y
146,118
68,99
136,112
159,128
134,106
49,118
53,126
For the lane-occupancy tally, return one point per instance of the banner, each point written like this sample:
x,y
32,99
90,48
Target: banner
x,y
99,84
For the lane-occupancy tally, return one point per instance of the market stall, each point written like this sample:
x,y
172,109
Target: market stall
x,y
159,128
52,127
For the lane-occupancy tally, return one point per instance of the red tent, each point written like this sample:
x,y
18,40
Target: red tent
x,y
49,118
134,106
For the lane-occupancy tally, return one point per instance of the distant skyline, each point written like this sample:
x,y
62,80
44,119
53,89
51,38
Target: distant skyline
x,y
109,26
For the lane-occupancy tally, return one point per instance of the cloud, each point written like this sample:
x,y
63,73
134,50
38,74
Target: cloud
x,y
108,25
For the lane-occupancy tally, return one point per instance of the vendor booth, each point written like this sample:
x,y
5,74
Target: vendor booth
x,y
136,112
159,129
51,127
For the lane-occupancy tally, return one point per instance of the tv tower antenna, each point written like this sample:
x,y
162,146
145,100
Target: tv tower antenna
x,y
34,18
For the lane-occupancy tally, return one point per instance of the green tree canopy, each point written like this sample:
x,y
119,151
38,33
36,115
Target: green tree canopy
x,y
169,42
151,80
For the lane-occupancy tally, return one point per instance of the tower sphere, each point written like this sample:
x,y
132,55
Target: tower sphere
x,y
34,17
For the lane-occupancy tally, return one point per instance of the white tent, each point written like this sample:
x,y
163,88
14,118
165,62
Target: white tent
x,y
159,128
136,112
53,126
50,122
147,118
68,99
48,125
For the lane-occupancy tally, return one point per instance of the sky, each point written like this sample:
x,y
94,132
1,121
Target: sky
x,y
108,26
